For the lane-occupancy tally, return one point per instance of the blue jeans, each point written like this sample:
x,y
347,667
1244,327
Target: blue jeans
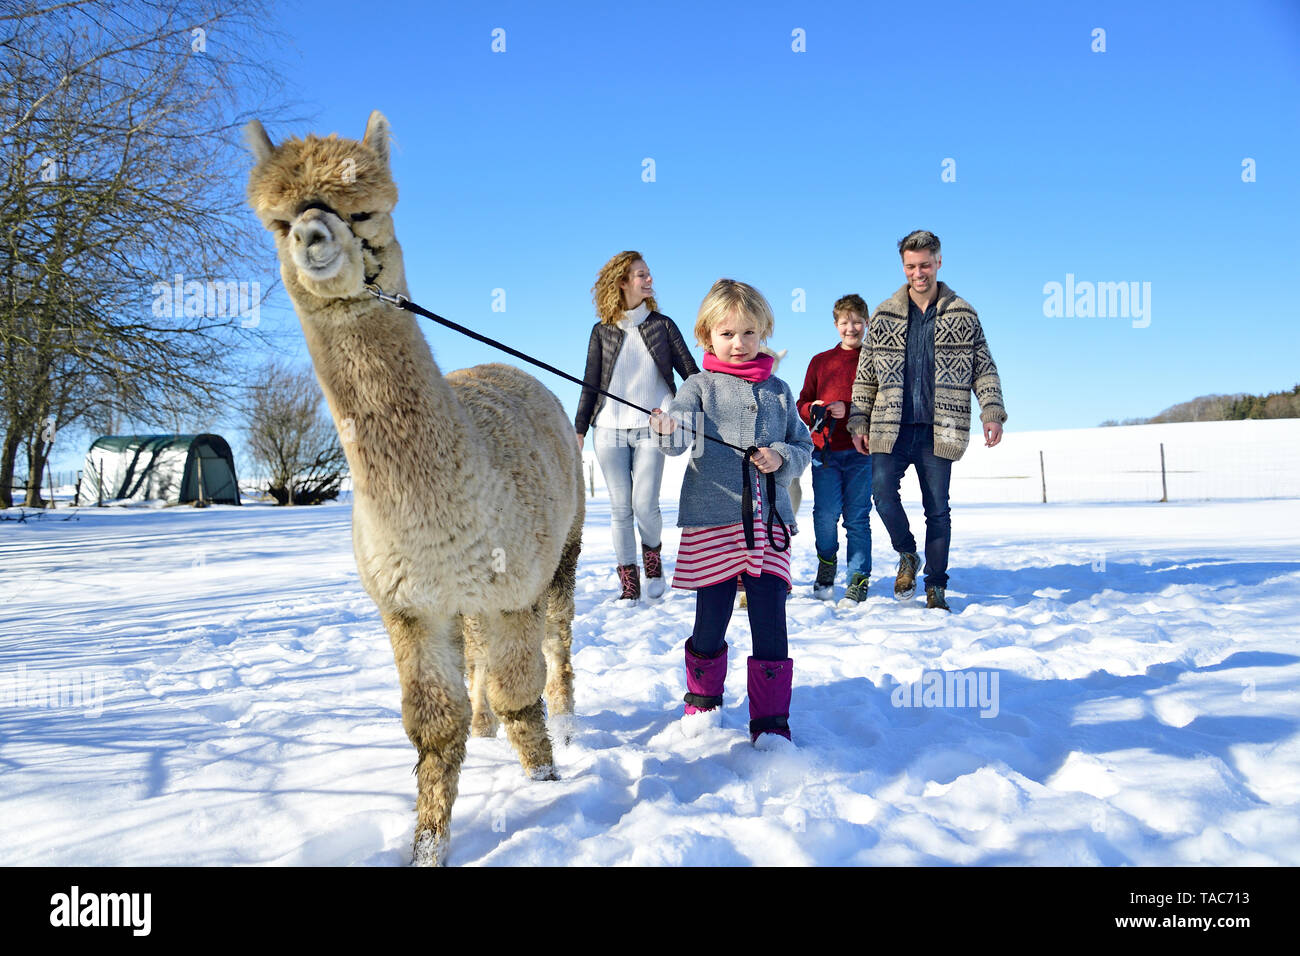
x,y
764,599
633,467
915,446
841,483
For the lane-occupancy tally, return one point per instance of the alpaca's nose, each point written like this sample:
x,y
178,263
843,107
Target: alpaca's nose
x,y
311,236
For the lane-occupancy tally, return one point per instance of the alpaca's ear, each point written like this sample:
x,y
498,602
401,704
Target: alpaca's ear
x,y
377,134
259,144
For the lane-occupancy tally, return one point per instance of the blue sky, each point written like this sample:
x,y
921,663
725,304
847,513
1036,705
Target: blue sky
x,y
792,170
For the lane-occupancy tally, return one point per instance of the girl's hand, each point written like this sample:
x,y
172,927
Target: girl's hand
x,y
837,409
662,423
767,460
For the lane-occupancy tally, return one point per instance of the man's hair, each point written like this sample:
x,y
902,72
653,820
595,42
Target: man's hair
x,y
729,297
919,241
850,303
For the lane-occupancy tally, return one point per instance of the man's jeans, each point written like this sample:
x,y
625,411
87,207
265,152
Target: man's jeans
x,y
633,467
915,446
841,483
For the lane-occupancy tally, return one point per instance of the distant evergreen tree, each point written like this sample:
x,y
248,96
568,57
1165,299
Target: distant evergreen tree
x,y
1218,408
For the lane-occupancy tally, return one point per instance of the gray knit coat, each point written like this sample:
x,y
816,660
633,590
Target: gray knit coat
x,y
743,413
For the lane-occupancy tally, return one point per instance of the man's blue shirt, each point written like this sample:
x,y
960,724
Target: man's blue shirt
x,y
918,367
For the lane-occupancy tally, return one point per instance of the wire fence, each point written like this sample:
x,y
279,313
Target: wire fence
x,y
1192,461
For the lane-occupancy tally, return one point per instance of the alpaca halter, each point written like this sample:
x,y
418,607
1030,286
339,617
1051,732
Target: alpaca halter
x,y
747,503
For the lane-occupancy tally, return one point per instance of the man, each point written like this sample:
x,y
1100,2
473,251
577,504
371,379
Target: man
x,y
924,354
841,478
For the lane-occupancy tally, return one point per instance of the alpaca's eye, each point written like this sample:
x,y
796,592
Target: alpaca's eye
x,y
359,216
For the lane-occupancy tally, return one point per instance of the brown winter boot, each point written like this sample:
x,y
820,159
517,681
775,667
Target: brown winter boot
x,y
629,576
654,570
905,582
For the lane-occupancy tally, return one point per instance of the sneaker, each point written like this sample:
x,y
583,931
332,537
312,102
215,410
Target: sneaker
x,y
654,571
934,597
856,592
905,583
824,586
629,576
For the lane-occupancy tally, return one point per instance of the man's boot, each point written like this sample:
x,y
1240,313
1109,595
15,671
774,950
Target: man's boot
x,y
905,583
934,597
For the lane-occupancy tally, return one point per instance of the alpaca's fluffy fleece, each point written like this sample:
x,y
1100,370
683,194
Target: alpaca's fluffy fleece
x,y
467,489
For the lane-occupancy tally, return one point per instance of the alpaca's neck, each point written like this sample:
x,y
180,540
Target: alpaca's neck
x,y
403,430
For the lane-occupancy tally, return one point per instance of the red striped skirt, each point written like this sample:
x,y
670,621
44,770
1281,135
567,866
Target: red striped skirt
x,y
711,555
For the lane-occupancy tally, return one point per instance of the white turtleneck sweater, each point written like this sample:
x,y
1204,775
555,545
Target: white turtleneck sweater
x,y
636,378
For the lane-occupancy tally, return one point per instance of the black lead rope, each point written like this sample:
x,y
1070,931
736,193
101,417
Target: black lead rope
x,y
747,508
747,504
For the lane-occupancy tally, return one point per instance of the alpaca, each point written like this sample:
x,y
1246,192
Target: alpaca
x,y
468,497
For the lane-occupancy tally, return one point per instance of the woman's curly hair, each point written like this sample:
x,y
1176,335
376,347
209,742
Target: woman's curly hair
x,y
606,292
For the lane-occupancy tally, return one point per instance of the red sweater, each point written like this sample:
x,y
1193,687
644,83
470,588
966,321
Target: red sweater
x,y
830,379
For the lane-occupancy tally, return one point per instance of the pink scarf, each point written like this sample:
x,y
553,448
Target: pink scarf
x,y
755,370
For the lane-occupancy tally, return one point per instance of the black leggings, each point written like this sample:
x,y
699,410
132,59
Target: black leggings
x,y
764,598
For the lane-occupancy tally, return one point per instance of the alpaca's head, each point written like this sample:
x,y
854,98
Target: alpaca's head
x,y
776,356
328,202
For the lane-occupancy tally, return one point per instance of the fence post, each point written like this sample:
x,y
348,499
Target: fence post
x,y
591,479
51,473
1042,471
1164,488
99,467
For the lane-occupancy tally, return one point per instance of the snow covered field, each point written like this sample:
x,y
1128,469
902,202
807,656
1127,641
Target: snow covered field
x,y
213,687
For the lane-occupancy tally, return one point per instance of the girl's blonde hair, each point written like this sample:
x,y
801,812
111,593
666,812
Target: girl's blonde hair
x,y
728,297
606,293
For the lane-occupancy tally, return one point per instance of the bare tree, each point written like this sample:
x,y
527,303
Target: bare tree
x,y
127,269
291,438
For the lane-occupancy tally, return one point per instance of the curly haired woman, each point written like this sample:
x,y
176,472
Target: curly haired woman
x,y
640,368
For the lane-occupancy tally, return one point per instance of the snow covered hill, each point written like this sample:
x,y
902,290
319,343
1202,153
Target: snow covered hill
x,y
213,687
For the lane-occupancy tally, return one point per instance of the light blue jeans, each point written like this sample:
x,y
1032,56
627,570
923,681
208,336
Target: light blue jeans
x,y
633,467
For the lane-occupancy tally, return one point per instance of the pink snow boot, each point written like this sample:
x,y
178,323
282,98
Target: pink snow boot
x,y
704,679
769,697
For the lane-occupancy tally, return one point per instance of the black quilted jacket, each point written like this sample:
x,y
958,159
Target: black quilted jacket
x,y
667,348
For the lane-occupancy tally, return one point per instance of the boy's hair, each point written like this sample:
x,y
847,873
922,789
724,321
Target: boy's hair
x,y
919,241
850,303
606,293
725,298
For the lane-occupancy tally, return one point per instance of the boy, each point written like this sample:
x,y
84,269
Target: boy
x,y
841,477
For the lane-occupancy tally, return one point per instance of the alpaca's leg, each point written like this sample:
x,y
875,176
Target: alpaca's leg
x,y
483,723
516,675
436,715
559,630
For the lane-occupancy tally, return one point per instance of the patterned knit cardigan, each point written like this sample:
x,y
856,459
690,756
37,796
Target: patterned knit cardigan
x,y
962,364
